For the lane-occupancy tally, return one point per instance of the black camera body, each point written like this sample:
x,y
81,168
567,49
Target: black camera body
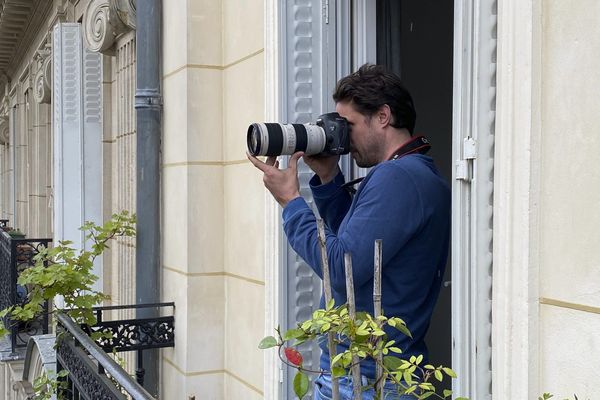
x,y
330,135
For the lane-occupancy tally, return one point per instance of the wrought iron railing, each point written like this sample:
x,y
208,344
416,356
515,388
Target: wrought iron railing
x,y
92,374
16,255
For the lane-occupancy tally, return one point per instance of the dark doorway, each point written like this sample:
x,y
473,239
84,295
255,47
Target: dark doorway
x,y
415,40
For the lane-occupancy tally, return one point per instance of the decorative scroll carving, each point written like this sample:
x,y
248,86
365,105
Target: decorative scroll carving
x,y
126,11
4,133
43,82
104,21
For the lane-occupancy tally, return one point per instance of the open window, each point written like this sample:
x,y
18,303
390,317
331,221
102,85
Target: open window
x,y
445,54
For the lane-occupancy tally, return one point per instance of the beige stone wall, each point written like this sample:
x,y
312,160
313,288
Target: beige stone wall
x,y
213,201
569,220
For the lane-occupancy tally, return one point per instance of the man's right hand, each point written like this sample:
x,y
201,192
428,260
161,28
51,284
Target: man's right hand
x,y
326,167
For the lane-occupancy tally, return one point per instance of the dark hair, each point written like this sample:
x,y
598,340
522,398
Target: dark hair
x,y
373,86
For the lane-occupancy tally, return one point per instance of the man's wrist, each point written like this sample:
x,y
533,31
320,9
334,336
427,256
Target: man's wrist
x,y
326,178
287,200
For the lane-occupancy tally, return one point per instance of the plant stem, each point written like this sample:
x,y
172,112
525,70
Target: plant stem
x,y
335,388
378,312
356,381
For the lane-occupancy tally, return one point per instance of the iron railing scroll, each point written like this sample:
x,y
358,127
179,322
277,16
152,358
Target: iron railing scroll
x,y
17,255
92,374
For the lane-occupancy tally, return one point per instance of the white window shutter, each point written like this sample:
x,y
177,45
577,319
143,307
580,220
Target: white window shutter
x,y
308,78
472,220
76,109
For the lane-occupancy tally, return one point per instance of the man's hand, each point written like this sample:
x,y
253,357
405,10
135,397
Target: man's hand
x,y
283,184
326,167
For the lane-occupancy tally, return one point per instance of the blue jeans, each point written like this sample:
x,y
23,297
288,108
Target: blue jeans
x,y
322,390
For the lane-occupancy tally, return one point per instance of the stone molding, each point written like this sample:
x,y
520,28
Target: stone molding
x,y
515,305
104,21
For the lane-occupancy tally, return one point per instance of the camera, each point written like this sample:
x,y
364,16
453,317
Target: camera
x,y
328,136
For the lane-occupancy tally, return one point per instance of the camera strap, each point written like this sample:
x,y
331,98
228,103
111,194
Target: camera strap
x,y
419,144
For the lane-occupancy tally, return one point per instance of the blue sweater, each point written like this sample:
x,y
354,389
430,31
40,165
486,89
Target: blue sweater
x,y
404,202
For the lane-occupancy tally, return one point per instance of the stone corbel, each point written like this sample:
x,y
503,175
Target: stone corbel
x,y
43,78
104,21
4,121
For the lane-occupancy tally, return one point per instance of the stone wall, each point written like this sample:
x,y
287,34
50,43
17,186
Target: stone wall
x,y
569,255
213,201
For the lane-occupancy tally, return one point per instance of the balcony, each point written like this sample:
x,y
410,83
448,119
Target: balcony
x,y
16,255
29,350
92,373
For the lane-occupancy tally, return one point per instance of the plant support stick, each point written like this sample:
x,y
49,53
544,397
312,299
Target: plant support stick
x,y
356,392
335,388
377,310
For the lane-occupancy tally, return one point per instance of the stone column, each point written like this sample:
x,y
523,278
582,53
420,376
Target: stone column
x,y
109,28
41,150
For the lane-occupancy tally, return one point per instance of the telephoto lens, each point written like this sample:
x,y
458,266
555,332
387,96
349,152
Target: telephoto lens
x,y
329,135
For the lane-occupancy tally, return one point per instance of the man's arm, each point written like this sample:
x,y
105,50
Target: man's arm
x,y
333,201
388,207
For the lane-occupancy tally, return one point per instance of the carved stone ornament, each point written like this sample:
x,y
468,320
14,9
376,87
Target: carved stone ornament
x,y
4,121
126,11
104,21
4,134
43,82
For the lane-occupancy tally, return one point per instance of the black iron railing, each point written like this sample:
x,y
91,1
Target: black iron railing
x,y
92,374
16,255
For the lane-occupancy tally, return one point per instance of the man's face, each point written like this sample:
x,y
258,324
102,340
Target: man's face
x,y
365,145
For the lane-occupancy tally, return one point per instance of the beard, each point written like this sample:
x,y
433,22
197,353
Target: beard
x,y
363,161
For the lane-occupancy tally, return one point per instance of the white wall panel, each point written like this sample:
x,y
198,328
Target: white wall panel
x,y
77,80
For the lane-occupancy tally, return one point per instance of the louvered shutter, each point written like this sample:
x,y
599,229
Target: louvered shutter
x,y
76,104
308,78
474,121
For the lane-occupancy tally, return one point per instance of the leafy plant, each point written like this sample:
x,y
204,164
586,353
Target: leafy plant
x,y
46,385
366,339
67,272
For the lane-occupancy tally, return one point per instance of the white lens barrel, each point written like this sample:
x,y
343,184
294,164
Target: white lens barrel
x,y
273,139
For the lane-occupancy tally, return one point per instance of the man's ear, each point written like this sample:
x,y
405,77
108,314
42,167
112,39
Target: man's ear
x,y
384,115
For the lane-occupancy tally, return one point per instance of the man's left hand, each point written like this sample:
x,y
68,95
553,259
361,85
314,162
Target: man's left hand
x,y
282,183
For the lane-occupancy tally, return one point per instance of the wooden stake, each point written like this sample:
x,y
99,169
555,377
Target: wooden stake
x,y
335,388
378,312
356,381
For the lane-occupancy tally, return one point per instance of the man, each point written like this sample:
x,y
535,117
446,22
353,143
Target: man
x,y
403,200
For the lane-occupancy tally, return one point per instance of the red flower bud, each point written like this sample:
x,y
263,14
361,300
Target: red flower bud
x,y
293,356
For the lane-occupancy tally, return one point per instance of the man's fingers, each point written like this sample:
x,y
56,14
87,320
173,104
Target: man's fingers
x,y
257,163
294,159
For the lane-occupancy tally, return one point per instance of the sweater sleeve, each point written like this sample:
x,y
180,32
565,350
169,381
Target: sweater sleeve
x,y
388,206
331,199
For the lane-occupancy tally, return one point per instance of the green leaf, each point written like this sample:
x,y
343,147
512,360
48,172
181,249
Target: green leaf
x,y
330,304
449,372
267,343
447,393
392,363
293,334
300,385
338,372
438,375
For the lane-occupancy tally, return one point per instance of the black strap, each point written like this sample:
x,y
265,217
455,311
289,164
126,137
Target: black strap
x,y
419,144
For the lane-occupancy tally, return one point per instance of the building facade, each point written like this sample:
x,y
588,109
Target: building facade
x,y
504,89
